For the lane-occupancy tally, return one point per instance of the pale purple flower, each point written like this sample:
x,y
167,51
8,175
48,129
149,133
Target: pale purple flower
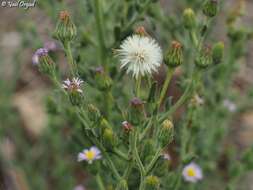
x,y
192,173
89,155
73,85
79,187
51,45
39,53
231,106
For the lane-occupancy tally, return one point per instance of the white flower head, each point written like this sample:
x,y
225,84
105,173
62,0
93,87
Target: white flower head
x,y
192,173
141,55
231,106
73,85
89,155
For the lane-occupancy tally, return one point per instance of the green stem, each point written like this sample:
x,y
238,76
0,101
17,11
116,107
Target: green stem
x,y
100,182
194,39
144,132
142,185
128,170
178,180
106,156
120,154
137,156
165,86
101,38
153,161
187,93
70,58
138,86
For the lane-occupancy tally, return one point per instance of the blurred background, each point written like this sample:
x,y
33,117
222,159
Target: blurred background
x,y
35,146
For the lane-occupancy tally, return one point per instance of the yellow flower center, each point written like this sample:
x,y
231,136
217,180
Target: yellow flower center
x,y
90,155
191,172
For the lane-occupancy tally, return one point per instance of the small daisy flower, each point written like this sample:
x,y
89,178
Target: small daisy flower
x,y
192,173
39,53
73,85
231,106
141,55
89,155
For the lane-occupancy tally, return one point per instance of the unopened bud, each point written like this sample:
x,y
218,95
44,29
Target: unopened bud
x,y
237,34
174,57
43,60
152,183
103,81
136,112
109,138
189,18
218,52
141,31
127,127
204,58
65,29
94,113
166,133
210,8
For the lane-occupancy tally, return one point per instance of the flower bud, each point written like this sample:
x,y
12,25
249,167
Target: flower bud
x,y
127,127
166,133
237,34
136,112
152,183
94,113
43,60
65,29
218,52
122,185
174,57
109,138
210,8
189,19
103,81
141,31
204,58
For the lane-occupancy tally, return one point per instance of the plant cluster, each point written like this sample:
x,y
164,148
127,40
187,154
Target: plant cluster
x,y
128,132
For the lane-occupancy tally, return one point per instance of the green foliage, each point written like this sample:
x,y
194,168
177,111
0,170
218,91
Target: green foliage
x,y
132,121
